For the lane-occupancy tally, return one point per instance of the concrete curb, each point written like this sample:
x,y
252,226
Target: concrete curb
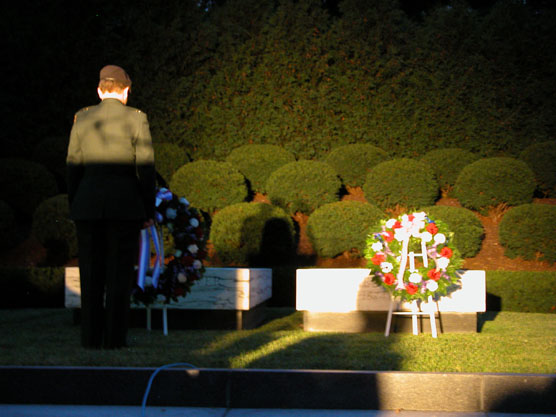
x,y
296,389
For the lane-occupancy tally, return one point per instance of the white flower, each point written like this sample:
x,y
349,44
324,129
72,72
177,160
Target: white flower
x,y
439,238
377,246
431,285
160,298
386,267
426,237
192,249
442,263
401,234
182,277
420,216
197,264
184,201
194,222
415,278
148,281
416,228
390,223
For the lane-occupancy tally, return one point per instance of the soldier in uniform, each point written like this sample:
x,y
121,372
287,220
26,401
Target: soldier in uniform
x,y
111,191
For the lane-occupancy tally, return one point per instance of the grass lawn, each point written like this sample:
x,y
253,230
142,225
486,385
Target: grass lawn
x,y
508,342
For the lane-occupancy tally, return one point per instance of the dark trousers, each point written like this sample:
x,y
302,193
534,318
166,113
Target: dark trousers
x,y
108,252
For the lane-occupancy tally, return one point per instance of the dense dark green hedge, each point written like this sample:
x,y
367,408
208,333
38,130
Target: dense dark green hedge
x,y
490,182
523,291
257,162
254,234
54,230
529,231
468,229
25,184
342,226
541,159
209,185
168,158
353,162
401,182
303,186
447,164
32,287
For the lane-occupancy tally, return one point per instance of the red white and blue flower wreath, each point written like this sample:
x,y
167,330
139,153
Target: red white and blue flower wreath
x,y
413,257
172,276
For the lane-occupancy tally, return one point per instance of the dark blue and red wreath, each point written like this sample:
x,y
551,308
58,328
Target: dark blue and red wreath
x,y
164,278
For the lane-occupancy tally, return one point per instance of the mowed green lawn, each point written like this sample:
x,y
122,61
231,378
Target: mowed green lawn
x,y
507,342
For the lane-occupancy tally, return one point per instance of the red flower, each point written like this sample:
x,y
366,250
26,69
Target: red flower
x,y
432,228
378,258
411,288
389,279
187,260
410,217
388,236
433,274
446,252
397,225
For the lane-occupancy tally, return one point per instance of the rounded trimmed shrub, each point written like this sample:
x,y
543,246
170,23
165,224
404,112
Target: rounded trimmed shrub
x,y
342,226
303,186
353,162
255,234
53,228
209,185
25,184
490,182
466,226
168,158
528,231
402,182
8,227
447,164
257,162
540,158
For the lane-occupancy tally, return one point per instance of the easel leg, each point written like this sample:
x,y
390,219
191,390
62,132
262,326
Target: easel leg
x,y
389,318
433,324
149,319
414,318
165,320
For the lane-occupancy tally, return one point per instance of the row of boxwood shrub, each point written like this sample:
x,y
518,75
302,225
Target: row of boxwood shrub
x,y
519,291
307,185
407,183
343,226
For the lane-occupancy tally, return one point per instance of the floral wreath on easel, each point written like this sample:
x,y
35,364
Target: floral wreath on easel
x,y
172,276
413,257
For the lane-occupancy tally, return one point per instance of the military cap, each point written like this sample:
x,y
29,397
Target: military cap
x,y
116,73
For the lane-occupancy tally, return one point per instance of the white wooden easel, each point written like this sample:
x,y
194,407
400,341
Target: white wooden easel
x,y
415,311
164,309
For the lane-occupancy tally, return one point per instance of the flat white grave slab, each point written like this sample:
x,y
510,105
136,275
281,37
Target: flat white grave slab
x,y
219,289
340,290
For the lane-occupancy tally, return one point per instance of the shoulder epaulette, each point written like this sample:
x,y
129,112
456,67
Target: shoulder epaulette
x,y
84,109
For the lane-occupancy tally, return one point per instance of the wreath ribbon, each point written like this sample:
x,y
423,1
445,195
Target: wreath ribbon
x,y
148,234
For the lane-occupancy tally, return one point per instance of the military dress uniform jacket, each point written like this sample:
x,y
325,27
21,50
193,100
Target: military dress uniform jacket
x,y
110,164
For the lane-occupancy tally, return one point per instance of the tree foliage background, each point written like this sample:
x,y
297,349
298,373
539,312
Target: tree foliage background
x,y
307,75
